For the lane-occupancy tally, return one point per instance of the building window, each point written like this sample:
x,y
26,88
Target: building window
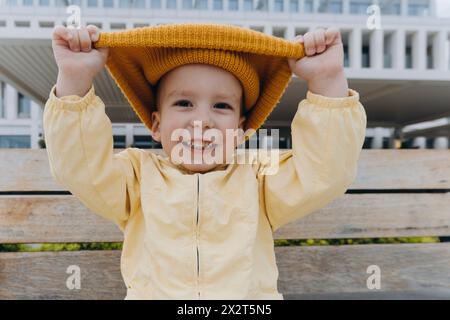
x,y
233,5
359,6
155,4
367,143
390,7
308,6
201,4
330,6
11,3
108,3
293,5
119,142
171,4
145,142
217,5
15,141
66,3
28,3
187,4
278,5
24,107
365,57
2,100
132,4
92,3
262,5
418,9
139,4
346,56
248,5
44,3
408,58
124,3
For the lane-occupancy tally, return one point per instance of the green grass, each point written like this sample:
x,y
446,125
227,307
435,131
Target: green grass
x,y
278,243
328,242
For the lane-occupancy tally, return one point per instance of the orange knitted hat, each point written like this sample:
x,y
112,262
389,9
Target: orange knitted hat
x,y
139,57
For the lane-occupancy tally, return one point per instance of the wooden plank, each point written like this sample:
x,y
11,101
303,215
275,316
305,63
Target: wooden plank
x,y
341,269
48,218
414,269
37,219
43,275
403,169
28,170
375,216
423,294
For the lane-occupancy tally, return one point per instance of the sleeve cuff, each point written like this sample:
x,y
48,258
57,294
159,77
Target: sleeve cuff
x,y
334,102
72,102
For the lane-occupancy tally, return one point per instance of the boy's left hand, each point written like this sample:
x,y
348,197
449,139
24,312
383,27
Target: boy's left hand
x,y
323,65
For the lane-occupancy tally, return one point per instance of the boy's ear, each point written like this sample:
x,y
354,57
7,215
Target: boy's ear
x,y
156,123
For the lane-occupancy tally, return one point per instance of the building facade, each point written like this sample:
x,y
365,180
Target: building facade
x,y
410,50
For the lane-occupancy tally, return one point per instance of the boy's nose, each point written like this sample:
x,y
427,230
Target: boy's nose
x,y
202,122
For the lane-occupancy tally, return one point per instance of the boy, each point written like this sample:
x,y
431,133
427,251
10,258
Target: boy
x,y
201,230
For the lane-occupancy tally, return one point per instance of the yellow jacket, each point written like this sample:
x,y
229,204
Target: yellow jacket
x,y
203,236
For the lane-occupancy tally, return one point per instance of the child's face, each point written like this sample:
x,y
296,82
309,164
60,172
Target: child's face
x,y
201,96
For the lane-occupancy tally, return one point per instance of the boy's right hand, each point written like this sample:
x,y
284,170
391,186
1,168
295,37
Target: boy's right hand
x,y
78,62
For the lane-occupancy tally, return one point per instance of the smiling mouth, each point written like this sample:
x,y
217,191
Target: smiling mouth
x,y
194,145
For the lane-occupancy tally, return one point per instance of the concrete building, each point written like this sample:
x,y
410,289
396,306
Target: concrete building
x,y
401,69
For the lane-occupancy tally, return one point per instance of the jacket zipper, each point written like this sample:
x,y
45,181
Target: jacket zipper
x,y
196,233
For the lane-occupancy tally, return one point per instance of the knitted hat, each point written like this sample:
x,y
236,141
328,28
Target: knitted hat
x,y
139,57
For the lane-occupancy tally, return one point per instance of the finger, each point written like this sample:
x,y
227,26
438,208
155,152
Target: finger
x,y
104,51
310,45
61,33
319,38
292,63
332,36
74,42
94,32
298,38
85,40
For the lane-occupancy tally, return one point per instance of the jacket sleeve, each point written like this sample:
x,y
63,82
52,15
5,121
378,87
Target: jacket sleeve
x,y
327,137
79,143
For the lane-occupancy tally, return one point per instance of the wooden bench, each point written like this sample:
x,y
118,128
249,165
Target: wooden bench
x,y
398,193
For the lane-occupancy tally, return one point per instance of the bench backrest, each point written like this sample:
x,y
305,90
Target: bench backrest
x,y
397,193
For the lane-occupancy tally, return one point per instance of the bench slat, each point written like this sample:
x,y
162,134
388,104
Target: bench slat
x,y
28,170
36,219
42,275
410,269
340,269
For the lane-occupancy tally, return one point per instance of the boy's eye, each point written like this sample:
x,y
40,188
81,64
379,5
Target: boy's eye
x,y
224,106
182,102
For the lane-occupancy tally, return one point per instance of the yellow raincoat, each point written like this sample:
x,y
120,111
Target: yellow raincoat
x,y
210,235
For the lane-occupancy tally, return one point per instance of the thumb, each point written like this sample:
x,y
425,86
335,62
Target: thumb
x,y
104,51
292,63
94,32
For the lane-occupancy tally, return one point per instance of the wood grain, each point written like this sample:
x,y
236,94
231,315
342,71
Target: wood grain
x,y
304,271
37,219
28,170
340,269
